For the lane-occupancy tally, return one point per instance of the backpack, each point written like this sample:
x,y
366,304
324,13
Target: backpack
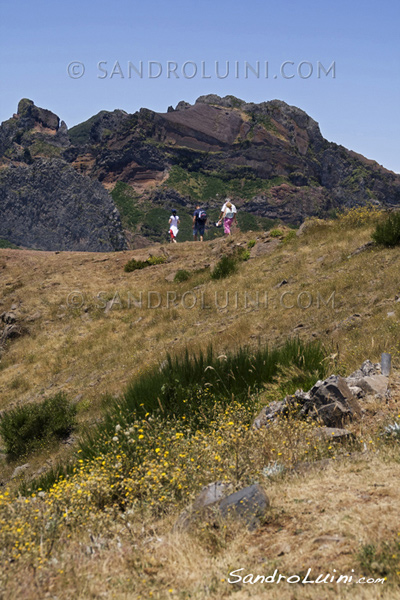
x,y
202,215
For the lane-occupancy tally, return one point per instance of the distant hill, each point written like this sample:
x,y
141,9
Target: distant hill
x,y
270,157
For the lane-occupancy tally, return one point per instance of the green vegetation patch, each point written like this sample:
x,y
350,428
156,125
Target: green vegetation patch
x,y
188,390
226,266
7,244
134,265
126,200
387,233
181,275
42,148
191,385
202,186
30,426
381,561
275,233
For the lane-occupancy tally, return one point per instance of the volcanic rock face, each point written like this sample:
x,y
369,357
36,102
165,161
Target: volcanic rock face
x,y
44,202
270,156
49,206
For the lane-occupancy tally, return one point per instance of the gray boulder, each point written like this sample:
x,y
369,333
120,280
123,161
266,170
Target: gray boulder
x,y
215,502
248,505
332,402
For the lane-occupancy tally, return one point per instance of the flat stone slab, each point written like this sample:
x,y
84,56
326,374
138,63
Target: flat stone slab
x,y
248,505
333,433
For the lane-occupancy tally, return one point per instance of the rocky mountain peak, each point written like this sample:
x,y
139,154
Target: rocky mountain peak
x,y
30,115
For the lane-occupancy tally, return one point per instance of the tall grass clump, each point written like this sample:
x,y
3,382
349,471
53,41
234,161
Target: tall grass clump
x,y
28,427
134,265
190,386
387,233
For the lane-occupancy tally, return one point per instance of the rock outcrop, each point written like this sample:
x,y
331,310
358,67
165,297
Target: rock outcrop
x,y
271,156
332,402
49,206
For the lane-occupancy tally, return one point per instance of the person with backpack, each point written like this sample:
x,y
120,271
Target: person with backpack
x,y
173,226
199,222
228,214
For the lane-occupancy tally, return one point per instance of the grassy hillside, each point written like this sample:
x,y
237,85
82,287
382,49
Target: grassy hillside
x,y
151,430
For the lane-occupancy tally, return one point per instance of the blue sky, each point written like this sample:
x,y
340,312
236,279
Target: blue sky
x,y
358,108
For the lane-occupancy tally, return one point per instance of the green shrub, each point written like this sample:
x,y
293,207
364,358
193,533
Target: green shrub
x,y
181,276
224,267
387,233
242,253
289,236
134,265
251,244
26,428
156,260
6,244
276,233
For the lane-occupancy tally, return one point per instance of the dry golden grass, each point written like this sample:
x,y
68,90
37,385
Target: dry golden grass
x,y
87,352
318,520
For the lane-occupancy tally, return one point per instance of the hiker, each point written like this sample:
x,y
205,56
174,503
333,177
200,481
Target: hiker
x,y
173,226
228,214
199,222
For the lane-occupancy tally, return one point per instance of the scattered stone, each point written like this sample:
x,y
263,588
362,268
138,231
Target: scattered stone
x,y
249,504
270,412
369,380
171,276
8,317
209,496
374,384
334,433
283,282
263,247
10,332
34,317
19,470
328,539
362,248
367,368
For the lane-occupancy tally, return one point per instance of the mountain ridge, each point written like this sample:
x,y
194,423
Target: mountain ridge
x,y
271,157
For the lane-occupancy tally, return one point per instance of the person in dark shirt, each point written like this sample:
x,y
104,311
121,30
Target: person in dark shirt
x,y
199,223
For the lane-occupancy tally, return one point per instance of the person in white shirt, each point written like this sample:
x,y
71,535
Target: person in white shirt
x,y
228,214
173,226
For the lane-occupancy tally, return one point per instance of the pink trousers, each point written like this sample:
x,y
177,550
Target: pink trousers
x,y
227,225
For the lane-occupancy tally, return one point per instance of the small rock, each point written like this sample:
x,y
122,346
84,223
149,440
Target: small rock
x,y
328,539
283,282
34,317
249,504
334,433
19,470
8,317
171,276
